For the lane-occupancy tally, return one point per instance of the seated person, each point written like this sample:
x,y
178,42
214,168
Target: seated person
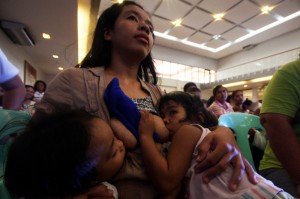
x,y
28,102
62,154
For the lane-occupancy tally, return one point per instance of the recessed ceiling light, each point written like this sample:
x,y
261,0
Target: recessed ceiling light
x,y
218,16
60,68
266,9
55,56
234,84
46,36
216,37
262,79
177,22
245,86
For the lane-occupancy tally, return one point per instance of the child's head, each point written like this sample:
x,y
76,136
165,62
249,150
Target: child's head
x,y
62,154
183,108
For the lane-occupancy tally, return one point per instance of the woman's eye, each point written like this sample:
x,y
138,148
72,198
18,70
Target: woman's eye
x,y
133,18
173,112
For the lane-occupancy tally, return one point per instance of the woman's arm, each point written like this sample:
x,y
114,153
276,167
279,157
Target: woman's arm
x,y
225,152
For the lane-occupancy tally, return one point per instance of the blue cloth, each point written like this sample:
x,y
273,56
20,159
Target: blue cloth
x,y
123,108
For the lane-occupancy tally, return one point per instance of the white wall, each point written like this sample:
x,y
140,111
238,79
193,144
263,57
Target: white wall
x,y
271,47
179,57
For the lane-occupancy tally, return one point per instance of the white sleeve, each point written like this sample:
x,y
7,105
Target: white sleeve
x,y
7,69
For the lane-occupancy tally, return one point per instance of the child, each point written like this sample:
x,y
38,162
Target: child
x,y
186,119
62,154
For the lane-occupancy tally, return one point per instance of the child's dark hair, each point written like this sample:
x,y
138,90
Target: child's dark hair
x,y
50,157
195,110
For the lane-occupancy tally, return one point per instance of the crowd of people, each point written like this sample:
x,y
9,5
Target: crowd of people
x,y
115,134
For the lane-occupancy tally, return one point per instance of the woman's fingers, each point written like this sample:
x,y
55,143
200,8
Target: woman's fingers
x,y
251,174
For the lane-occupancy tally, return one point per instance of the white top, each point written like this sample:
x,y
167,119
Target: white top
x,y
218,186
7,69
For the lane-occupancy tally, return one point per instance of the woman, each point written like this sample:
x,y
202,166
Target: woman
x,y
28,101
39,87
121,48
220,106
237,100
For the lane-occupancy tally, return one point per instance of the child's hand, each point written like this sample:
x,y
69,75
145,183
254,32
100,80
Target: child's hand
x,y
146,126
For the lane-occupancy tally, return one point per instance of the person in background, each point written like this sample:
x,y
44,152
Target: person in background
x,y
237,101
188,123
246,105
280,115
62,154
255,108
28,102
220,106
210,101
39,88
121,49
11,83
192,88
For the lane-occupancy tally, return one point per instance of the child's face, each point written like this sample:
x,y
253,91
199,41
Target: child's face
x,y
106,150
173,115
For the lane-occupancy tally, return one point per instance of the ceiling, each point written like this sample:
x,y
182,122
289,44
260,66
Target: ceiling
x,y
59,18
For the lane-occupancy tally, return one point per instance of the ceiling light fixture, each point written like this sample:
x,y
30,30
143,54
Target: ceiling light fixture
x,y
218,16
177,22
60,68
119,1
234,84
216,37
266,9
262,79
55,56
46,36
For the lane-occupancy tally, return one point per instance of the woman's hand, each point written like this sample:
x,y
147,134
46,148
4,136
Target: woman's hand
x,y
224,151
98,192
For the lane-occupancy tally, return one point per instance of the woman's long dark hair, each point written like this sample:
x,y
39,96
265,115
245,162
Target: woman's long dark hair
x,y
100,53
195,110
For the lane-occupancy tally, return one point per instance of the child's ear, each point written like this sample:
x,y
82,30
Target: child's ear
x,y
107,34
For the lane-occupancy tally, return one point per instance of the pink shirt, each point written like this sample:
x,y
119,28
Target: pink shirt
x,y
219,109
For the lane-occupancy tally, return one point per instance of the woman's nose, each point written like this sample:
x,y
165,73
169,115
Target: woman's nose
x,y
145,27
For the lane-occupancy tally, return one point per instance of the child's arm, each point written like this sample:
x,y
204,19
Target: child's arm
x,y
167,173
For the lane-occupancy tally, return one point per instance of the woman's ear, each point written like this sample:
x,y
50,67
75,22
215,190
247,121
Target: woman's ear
x,y
107,34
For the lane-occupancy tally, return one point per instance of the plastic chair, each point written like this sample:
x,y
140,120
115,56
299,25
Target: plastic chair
x,y
240,123
11,124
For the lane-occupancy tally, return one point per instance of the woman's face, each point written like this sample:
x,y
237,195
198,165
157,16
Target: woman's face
x,y
106,150
132,32
40,87
29,93
221,94
238,98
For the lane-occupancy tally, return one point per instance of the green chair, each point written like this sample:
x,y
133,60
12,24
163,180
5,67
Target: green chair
x,y
11,124
240,123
